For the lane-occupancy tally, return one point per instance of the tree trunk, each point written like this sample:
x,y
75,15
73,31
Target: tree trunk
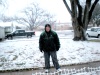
x,y
80,20
93,24
79,32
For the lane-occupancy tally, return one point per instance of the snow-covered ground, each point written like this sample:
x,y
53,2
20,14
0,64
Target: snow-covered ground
x,y
24,52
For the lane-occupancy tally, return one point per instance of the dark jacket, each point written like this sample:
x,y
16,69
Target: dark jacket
x,y
49,41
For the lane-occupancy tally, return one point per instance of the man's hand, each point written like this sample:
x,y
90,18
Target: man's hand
x,y
57,49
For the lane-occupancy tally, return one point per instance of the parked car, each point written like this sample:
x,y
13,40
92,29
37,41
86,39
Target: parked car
x,y
93,32
2,33
20,32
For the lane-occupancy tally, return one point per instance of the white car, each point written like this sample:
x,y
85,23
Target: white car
x,y
93,32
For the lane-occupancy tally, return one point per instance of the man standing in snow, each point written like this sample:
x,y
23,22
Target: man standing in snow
x,y
49,43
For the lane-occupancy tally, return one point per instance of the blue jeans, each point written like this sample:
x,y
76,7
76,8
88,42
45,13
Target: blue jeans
x,y
54,59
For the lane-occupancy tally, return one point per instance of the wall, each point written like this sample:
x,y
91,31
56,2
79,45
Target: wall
x,y
2,33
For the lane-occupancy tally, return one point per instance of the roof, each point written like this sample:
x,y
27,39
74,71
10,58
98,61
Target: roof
x,y
5,24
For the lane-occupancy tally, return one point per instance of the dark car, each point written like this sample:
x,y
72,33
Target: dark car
x,y
20,32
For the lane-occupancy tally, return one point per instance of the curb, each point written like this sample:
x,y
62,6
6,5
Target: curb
x,y
29,69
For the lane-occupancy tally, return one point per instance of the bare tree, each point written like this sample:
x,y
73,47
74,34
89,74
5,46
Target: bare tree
x,y
35,16
3,7
95,19
80,20
5,18
2,2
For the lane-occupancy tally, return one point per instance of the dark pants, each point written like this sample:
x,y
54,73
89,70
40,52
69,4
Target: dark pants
x,y
54,59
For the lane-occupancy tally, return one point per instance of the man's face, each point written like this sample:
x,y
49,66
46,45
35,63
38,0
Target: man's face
x,y
47,29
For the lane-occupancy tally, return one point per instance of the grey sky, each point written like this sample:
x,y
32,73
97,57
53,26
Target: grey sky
x,y
55,7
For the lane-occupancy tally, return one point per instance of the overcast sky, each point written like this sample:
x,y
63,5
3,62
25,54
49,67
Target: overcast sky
x,y
55,7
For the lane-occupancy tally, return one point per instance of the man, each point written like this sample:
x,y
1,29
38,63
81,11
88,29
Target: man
x,y
49,44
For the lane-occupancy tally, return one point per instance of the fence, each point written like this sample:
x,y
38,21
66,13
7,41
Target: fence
x,y
71,71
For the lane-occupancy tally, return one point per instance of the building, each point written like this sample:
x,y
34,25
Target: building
x,y
8,26
2,33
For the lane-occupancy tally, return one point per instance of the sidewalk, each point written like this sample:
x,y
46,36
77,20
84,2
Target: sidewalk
x,y
92,64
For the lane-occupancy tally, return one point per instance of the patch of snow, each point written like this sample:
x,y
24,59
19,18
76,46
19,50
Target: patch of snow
x,y
25,53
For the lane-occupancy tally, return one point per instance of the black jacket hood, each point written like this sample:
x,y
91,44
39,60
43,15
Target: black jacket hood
x,y
47,25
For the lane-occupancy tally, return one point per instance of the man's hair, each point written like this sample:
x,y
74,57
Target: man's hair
x,y
48,25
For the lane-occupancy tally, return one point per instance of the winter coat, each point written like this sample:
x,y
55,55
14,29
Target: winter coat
x,y
49,41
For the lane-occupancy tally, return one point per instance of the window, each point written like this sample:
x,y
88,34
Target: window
x,y
98,29
16,32
92,29
21,31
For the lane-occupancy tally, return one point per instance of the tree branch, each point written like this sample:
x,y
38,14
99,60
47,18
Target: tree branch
x,y
86,13
79,12
92,8
67,7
